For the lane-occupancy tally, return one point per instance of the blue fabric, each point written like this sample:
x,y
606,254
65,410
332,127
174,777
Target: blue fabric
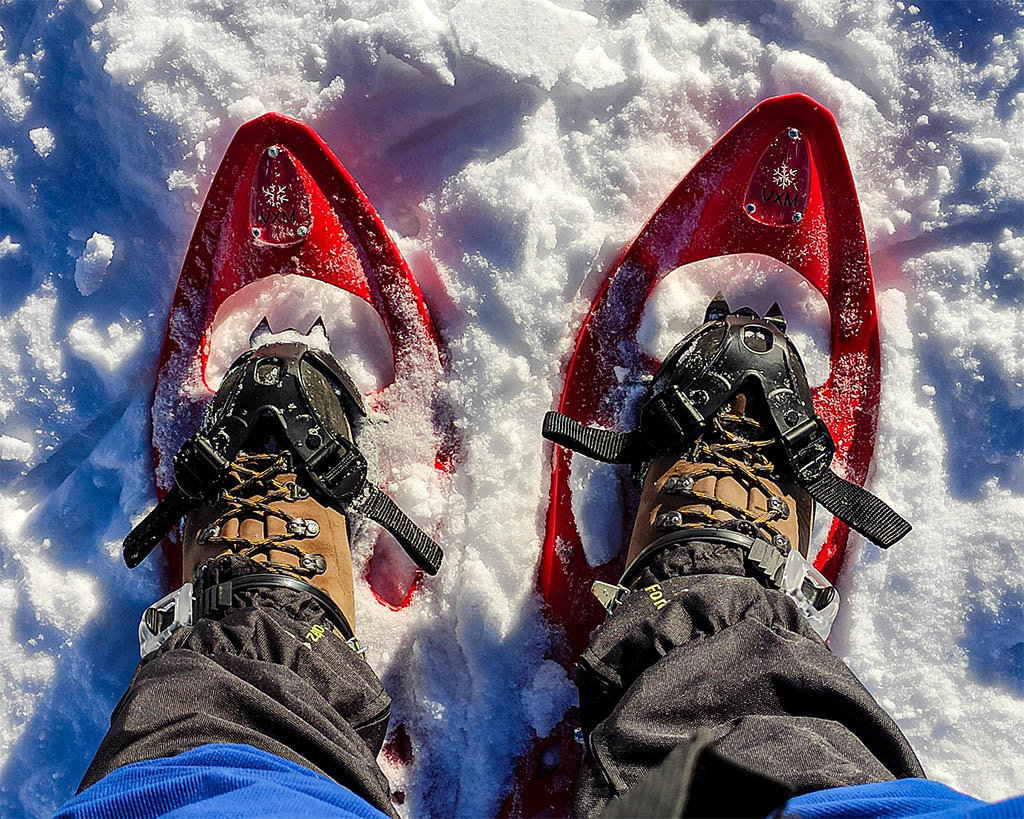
x,y
233,781
904,797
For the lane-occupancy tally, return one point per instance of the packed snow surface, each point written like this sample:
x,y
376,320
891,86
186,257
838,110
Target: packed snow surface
x,y
512,148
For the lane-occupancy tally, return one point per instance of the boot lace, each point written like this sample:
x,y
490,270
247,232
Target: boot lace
x,y
259,486
731,448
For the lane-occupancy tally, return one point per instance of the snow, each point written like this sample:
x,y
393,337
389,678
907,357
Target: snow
x,y
92,265
42,140
513,148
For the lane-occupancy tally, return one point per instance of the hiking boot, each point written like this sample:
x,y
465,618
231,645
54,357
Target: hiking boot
x,y
725,480
267,516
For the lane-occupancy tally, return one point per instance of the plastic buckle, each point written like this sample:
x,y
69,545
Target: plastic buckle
x,y
669,419
163,618
198,466
338,468
809,589
809,448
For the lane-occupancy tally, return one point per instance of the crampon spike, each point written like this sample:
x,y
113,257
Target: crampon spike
x,y
718,308
261,329
774,316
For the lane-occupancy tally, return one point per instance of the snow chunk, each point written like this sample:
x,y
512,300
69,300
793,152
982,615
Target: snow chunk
x,y
593,68
15,449
42,139
64,599
108,350
178,179
531,39
246,108
95,6
7,247
92,265
548,698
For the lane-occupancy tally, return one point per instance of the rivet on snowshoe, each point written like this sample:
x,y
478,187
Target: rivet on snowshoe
x,y
750,207
668,521
208,533
792,416
678,485
273,151
781,542
256,233
778,505
313,563
313,440
793,133
302,230
797,216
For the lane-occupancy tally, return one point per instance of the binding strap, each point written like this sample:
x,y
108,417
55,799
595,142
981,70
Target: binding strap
x,y
594,442
377,506
341,481
852,504
858,508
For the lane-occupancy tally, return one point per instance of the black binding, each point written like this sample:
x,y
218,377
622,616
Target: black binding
x,y
307,395
731,352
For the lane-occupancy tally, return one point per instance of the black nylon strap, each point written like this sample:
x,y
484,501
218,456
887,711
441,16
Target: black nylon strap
x,y
600,444
859,509
151,529
378,507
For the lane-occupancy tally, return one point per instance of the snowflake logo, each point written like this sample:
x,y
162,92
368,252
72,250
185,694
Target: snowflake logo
x,y
275,195
784,176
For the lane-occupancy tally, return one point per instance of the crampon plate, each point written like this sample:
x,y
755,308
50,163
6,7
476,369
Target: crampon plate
x,y
282,203
777,184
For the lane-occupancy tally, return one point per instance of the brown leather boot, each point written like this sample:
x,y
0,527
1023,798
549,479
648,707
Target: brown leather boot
x,y
269,517
725,480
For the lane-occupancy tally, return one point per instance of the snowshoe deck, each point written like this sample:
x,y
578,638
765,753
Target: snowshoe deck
x,y
282,203
778,183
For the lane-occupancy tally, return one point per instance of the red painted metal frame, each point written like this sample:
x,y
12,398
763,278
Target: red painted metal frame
x,y
703,217
347,246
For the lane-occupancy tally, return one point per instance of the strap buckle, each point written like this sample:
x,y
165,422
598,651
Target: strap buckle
x,y
337,469
669,419
809,449
163,618
813,594
198,466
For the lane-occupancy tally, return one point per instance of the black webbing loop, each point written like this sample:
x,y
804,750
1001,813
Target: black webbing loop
x,y
378,507
859,509
594,442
